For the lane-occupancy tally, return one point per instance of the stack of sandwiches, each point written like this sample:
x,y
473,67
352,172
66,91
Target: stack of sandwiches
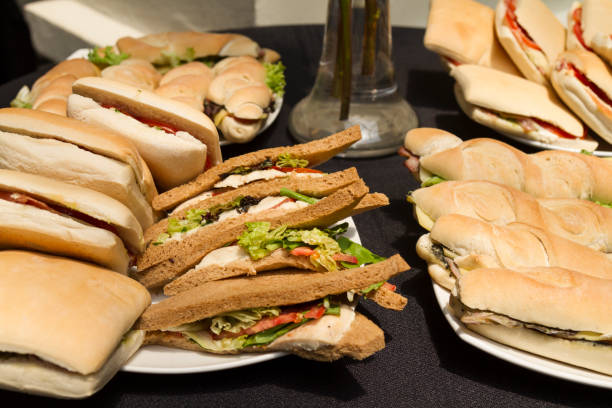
x,y
522,242
566,78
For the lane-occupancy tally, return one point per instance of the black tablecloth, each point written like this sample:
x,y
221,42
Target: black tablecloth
x,y
424,362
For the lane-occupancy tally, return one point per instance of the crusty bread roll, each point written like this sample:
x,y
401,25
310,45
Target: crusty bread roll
x,y
584,83
537,41
448,25
187,83
135,72
552,312
79,68
473,243
70,315
161,48
526,110
548,174
71,151
581,221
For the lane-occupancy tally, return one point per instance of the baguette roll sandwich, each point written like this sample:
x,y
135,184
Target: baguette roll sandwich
x,y
552,312
584,83
65,326
135,72
259,165
177,244
462,32
589,27
171,48
288,310
546,174
239,100
176,142
77,153
581,221
531,35
50,92
458,243
47,215
527,110
187,83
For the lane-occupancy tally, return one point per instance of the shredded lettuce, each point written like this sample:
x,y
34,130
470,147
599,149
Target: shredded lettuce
x,y
363,255
275,77
432,181
110,57
204,340
235,322
289,160
22,100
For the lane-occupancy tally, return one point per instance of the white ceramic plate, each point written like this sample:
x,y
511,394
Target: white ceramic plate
x,y
278,101
521,358
163,360
603,150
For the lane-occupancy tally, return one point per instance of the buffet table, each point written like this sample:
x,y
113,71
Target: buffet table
x,y
424,362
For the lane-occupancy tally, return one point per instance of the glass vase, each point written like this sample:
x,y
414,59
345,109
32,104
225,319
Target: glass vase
x,y
370,92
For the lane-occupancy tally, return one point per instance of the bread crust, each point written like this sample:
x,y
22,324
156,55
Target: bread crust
x,y
160,264
280,288
134,72
79,298
316,152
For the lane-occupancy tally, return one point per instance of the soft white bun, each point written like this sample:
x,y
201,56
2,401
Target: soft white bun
x,y
596,18
148,105
239,132
135,72
187,83
602,45
580,98
173,159
545,30
68,313
84,200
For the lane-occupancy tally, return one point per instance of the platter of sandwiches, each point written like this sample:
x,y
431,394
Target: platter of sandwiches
x,y
525,75
518,250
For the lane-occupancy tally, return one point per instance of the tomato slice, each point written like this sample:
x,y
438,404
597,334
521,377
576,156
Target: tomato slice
x,y
345,258
517,30
577,29
295,169
302,251
558,131
588,83
389,286
315,312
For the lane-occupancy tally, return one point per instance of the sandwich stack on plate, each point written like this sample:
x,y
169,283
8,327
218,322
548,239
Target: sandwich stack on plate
x,y
521,241
524,75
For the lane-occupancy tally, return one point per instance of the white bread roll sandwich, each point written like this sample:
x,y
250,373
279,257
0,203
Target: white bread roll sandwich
x,y
517,107
531,35
581,221
187,83
176,141
52,216
135,72
463,32
303,313
65,326
77,153
589,27
458,243
265,164
552,312
584,83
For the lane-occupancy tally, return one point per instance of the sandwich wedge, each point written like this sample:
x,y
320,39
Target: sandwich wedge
x,y
517,107
177,244
65,326
584,83
589,27
303,313
43,214
176,141
462,32
458,243
552,312
259,165
531,35
77,153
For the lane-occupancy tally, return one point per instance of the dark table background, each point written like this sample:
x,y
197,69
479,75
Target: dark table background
x,y
424,362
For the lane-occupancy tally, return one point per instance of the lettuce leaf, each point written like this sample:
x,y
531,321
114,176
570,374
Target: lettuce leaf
x,y
204,340
363,255
275,77
23,99
110,57
289,160
234,322
268,336
432,181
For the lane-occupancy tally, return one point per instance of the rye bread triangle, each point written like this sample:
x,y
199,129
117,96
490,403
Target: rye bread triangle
x,y
316,152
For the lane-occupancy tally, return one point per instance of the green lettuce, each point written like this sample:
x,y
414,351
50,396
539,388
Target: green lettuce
x,y
363,255
204,340
235,322
110,57
289,160
275,77
23,99
432,181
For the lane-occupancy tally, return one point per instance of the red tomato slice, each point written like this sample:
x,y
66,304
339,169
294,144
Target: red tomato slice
x,y
345,258
302,251
587,82
558,131
315,312
577,29
295,169
519,32
389,286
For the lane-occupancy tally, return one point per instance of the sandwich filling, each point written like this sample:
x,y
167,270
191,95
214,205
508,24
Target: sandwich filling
x,y
475,316
598,95
527,44
577,27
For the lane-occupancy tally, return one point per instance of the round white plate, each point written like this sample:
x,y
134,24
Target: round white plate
x,y
278,100
163,360
521,358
